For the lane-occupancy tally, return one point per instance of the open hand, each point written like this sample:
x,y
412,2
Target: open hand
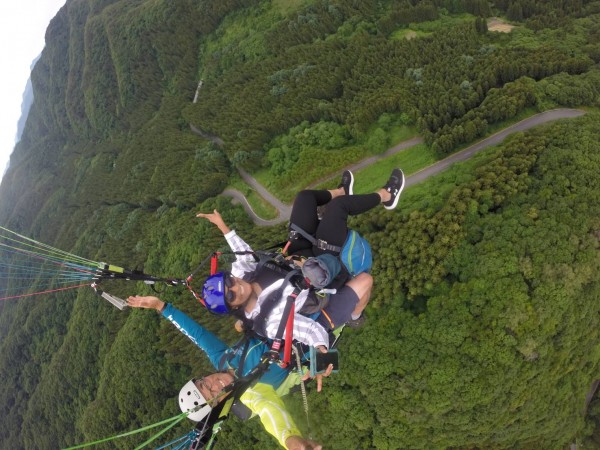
x,y
215,218
319,377
299,443
150,302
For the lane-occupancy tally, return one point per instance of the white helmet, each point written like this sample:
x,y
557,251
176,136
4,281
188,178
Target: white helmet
x,y
190,399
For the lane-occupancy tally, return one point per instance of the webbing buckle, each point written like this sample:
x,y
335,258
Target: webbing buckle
x,y
272,356
321,244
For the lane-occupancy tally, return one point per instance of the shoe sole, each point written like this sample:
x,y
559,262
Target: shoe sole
x,y
351,187
393,205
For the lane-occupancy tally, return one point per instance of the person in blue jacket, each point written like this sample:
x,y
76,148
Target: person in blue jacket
x,y
199,396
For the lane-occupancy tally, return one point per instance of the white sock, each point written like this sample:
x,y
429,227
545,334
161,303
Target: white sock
x,y
354,316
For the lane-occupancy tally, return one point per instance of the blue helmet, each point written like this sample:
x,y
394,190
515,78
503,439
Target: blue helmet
x,y
213,292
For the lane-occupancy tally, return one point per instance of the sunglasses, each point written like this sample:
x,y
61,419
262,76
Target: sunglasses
x,y
228,282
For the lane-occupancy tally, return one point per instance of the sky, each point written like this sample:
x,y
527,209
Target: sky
x,y
23,26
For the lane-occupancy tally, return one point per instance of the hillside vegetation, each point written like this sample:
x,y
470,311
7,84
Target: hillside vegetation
x,y
483,327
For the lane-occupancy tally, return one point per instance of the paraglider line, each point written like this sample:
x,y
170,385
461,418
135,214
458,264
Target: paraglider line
x,y
44,292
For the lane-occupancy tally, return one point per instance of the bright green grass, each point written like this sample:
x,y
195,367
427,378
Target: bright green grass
x,y
414,159
314,164
371,178
261,207
410,161
402,133
317,165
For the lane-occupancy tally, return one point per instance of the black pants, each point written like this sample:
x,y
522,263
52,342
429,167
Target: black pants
x,y
333,227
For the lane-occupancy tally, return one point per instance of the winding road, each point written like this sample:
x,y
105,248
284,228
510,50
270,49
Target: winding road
x,y
495,139
434,169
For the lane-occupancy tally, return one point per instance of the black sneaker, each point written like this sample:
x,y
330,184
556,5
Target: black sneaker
x,y
394,186
347,182
357,323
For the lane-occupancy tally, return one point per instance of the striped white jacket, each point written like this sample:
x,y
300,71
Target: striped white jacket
x,y
306,330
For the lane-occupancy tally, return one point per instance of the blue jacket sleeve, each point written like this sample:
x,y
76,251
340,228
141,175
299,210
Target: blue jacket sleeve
x,y
210,344
215,348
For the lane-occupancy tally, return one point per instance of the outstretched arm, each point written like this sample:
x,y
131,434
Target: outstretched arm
x,y
216,219
208,342
147,302
244,263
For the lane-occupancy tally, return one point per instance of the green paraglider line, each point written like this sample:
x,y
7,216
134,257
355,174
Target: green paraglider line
x,y
41,263
172,422
44,247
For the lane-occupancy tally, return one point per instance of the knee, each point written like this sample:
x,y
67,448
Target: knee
x,y
304,195
338,203
361,284
365,279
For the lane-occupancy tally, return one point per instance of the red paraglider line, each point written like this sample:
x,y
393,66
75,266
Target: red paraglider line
x,y
45,292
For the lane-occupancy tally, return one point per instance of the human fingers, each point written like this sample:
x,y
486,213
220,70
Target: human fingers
x,y
207,215
314,445
239,326
213,217
300,443
134,301
319,382
138,301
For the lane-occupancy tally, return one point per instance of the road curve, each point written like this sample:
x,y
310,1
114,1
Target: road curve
x,y
495,139
434,169
370,160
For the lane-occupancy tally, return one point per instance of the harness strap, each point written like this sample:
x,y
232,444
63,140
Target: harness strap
x,y
319,243
226,357
240,369
286,324
267,306
289,335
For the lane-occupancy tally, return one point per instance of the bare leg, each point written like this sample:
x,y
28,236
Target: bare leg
x,y
336,192
385,195
362,284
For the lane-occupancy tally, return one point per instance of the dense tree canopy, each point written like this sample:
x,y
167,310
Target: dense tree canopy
x,y
483,327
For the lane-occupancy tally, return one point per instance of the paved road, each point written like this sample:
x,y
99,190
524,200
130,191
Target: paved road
x,y
240,198
495,139
368,161
211,137
283,209
434,169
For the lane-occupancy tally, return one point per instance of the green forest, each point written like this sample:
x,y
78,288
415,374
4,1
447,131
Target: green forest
x,y
482,331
